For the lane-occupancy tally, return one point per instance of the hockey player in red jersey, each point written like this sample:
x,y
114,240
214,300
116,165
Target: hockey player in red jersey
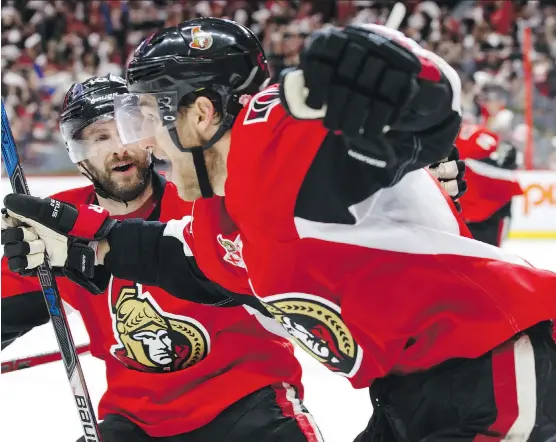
x,y
176,370
347,240
491,180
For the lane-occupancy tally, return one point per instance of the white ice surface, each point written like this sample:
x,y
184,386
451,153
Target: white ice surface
x,y
36,403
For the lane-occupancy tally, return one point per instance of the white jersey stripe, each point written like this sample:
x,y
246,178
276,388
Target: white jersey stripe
x,y
299,413
526,383
411,217
490,171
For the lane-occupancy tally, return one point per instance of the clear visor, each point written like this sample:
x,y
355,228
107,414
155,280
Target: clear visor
x,y
98,137
139,116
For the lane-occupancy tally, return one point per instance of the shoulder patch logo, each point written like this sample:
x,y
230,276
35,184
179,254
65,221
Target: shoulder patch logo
x,y
233,250
201,40
261,105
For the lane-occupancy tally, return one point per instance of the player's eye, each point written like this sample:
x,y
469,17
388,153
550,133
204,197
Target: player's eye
x,y
101,137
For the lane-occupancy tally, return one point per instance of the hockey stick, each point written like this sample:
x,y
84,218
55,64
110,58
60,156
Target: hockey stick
x,y
39,359
396,16
52,298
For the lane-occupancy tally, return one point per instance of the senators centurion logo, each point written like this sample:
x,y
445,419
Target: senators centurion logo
x,y
317,326
200,39
233,250
150,339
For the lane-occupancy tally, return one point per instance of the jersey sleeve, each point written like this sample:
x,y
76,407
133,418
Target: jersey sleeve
x,y
160,254
340,177
475,142
300,161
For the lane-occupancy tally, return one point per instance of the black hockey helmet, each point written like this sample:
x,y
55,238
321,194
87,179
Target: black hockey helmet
x,y
201,54
84,104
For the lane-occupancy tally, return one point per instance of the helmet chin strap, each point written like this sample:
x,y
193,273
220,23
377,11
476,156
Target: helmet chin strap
x,y
232,110
199,157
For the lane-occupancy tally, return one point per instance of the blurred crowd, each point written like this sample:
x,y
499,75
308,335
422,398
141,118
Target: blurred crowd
x,y
49,44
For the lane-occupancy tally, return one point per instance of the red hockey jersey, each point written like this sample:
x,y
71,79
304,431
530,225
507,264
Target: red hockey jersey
x,y
400,289
172,365
489,188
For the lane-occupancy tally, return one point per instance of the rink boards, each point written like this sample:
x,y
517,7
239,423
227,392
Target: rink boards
x,y
534,213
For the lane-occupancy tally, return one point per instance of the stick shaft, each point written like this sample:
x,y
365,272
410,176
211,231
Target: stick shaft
x,y
38,359
53,299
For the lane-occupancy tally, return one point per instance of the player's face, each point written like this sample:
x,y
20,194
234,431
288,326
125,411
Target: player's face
x,y
195,127
147,115
182,172
494,106
123,171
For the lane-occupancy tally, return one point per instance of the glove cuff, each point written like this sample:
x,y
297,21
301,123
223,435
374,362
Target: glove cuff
x,y
81,258
80,266
92,222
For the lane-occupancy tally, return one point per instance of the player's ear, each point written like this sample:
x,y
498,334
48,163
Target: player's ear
x,y
204,113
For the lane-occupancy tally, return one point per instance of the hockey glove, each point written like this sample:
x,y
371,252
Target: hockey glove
x,y
32,226
363,78
364,81
450,173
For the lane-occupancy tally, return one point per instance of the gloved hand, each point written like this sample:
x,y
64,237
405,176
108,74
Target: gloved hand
x,y
450,172
32,226
365,80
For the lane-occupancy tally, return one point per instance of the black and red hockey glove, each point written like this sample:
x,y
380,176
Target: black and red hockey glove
x,y
363,78
364,81
69,235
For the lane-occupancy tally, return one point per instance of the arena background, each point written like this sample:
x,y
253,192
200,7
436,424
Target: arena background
x,y
504,51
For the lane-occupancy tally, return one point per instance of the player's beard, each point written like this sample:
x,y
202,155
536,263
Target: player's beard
x,y
123,189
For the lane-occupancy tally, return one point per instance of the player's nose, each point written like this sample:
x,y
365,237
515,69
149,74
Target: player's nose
x,y
119,148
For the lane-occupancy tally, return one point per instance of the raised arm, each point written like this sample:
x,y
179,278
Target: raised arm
x,y
390,107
